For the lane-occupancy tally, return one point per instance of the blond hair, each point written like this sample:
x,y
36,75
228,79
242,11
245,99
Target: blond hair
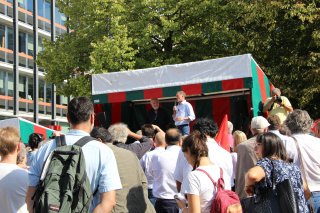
x,y
9,139
238,137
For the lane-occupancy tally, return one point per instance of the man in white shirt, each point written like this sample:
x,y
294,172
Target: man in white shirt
x,y
146,160
162,167
13,179
217,155
299,124
183,113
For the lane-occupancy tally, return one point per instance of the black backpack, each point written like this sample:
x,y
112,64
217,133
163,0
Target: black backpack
x,y
64,185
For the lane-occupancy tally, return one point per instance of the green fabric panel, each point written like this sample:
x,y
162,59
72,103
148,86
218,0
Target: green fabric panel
x,y
134,95
170,91
126,113
49,133
26,129
256,92
100,99
266,82
204,108
211,87
247,83
239,123
168,106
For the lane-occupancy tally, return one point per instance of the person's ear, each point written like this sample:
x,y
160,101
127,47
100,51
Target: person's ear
x,y
68,118
19,147
100,140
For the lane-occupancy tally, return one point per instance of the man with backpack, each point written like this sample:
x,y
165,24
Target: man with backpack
x,y
101,172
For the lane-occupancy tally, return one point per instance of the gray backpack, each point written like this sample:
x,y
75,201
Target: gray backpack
x,y
64,185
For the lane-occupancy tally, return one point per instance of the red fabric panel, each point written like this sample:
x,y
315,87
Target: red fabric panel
x,y
116,97
40,130
223,136
153,93
221,107
192,89
115,113
97,109
232,84
193,103
262,85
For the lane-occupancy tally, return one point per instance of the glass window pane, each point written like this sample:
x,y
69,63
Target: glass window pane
x,y
40,48
22,4
57,15
2,9
40,8
30,20
22,42
2,36
22,16
41,90
30,45
30,88
48,92
47,14
10,38
10,1
9,11
63,18
22,86
2,83
10,84
30,5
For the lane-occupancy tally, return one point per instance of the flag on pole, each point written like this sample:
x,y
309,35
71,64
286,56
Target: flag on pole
x,y
223,137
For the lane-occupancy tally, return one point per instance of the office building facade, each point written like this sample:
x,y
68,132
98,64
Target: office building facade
x,y
17,68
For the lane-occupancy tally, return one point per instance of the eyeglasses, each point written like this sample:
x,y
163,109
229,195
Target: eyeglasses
x,y
256,145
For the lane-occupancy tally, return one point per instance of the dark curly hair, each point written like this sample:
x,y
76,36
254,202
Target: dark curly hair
x,y
206,126
35,139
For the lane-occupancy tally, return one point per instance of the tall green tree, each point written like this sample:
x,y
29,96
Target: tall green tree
x,y
283,36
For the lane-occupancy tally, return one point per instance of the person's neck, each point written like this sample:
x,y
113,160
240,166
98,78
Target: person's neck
x,y
204,161
9,159
86,127
155,111
161,146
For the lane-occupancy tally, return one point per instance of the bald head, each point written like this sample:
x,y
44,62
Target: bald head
x,y
160,140
317,132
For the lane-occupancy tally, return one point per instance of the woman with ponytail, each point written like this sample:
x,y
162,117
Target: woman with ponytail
x,y
197,186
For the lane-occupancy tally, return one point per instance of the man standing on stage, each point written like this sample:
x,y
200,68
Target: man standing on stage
x,y
183,113
158,116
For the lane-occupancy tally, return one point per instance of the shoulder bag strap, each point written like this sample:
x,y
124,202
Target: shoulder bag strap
x,y
214,183
302,166
84,140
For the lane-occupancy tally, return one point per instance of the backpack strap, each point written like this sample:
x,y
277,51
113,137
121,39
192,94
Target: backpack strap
x,y
61,140
84,140
214,183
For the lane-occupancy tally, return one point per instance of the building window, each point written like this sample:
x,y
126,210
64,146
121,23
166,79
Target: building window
x,y
30,88
10,84
30,5
30,45
10,38
3,77
22,42
22,86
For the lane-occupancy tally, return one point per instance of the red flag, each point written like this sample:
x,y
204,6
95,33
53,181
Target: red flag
x,y
223,137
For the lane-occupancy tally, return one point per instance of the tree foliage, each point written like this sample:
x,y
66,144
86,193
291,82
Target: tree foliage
x,y
283,36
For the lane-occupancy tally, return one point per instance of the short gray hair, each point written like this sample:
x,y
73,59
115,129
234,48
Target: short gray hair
x,y
119,132
230,127
276,90
299,121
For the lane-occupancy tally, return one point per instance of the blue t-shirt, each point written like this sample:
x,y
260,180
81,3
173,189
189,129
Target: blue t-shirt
x,y
282,171
101,166
30,156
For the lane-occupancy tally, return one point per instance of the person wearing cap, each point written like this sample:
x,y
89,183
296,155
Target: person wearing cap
x,y
246,155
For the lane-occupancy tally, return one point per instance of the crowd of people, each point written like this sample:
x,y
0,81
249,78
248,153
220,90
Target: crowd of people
x,y
169,170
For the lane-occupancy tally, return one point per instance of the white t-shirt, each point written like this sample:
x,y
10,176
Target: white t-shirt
x,y
217,155
198,183
13,188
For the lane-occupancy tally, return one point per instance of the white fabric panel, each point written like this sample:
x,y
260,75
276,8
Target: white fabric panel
x,y
173,75
10,122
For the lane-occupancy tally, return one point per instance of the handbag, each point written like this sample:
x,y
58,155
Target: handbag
x,y
308,194
280,198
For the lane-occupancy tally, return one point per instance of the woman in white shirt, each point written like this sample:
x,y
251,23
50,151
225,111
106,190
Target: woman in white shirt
x,y
198,188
